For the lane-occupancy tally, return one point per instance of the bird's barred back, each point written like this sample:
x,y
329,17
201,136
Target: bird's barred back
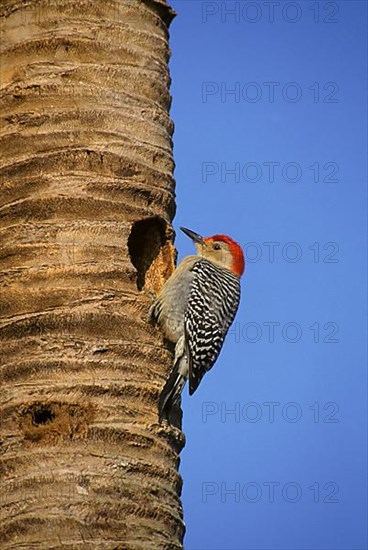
x,y
213,302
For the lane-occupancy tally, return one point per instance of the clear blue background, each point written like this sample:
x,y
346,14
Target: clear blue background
x,y
318,433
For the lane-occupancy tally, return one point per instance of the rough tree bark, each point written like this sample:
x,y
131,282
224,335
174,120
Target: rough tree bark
x,y
87,199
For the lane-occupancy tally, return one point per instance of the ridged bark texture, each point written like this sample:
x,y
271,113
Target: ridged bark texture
x,y
86,203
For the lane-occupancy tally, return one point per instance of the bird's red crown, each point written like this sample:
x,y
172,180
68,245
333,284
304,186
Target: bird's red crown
x,y
236,251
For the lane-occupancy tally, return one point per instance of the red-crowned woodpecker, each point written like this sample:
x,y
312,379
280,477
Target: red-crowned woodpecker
x,y
195,309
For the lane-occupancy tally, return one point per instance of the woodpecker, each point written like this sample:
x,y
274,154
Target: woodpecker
x,y
195,309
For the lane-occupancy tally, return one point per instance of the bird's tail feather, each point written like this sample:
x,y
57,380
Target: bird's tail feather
x,y
170,393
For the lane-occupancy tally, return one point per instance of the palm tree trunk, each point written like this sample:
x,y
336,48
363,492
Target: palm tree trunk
x,y
86,203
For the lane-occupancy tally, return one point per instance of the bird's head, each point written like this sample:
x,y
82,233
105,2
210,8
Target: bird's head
x,y
220,249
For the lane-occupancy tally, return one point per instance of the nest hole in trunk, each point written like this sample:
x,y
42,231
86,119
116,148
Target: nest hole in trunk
x,y
146,239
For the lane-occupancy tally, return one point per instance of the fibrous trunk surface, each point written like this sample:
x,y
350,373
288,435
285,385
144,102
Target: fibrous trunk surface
x,y
86,203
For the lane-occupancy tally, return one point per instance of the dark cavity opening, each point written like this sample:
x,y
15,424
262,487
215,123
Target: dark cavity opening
x,y
42,414
144,243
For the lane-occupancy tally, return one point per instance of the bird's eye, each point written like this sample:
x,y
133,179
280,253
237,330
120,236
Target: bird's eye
x,y
216,246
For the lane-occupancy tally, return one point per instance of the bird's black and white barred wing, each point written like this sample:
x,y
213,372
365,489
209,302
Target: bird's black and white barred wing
x,y
213,302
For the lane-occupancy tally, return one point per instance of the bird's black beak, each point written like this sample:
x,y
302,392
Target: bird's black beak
x,y
192,235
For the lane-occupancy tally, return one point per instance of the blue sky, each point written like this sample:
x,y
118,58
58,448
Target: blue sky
x,y
270,141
